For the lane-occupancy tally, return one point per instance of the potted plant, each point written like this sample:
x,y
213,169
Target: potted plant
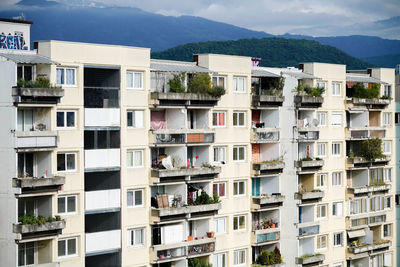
x,y
190,238
210,234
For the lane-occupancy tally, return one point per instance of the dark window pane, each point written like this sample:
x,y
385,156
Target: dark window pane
x,y
60,162
28,73
19,72
20,165
71,162
130,120
71,246
101,139
60,119
114,139
61,205
30,252
29,165
61,248
70,119
138,198
89,140
71,204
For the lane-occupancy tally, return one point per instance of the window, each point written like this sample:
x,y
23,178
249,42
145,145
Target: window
x,y
134,80
387,175
321,150
321,180
101,139
322,241
135,118
336,178
219,119
321,84
388,202
67,247
66,76
67,205
219,260
337,209
134,159
66,119
220,154
336,90
387,230
387,147
338,239
239,153
220,226
135,198
336,149
135,237
239,84
387,90
239,222
321,117
25,72
239,118
239,188
321,211
397,118
336,119
218,81
25,120
239,257
386,118
26,254
338,264
66,162
358,206
219,189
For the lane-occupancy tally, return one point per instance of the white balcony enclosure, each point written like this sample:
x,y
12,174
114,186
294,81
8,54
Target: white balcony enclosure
x,y
102,158
36,139
102,200
103,241
99,117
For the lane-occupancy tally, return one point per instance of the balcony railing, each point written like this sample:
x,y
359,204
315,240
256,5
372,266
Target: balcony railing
x,y
30,185
360,162
182,174
268,167
181,136
36,140
102,200
373,103
47,229
102,117
308,101
361,248
262,101
312,165
308,230
177,213
260,237
265,135
102,158
361,133
304,196
102,241
183,99
357,221
369,188
310,259
37,95
260,202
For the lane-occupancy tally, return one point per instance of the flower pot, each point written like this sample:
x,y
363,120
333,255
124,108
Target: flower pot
x,y
273,225
190,238
210,234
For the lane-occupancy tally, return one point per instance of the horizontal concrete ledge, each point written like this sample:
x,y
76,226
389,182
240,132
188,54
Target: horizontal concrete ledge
x,y
188,209
36,134
309,260
38,182
309,99
370,188
183,96
261,166
268,98
262,200
309,195
32,228
38,92
310,163
184,172
368,247
195,242
360,160
373,101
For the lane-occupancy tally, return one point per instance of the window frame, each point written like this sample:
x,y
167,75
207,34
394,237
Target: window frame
x,y
66,247
218,78
238,154
25,249
133,80
66,162
218,121
216,257
65,75
134,199
340,175
238,223
319,242
325,149
238,113
334,93
236,256
215,223
387,228
341,235
219,149
218,193
133,112
67,213
132,239
234,84
66,127
237,183
319,115
319,209
341,119
386,144
335,207
133,160
386,118
338,145
324,179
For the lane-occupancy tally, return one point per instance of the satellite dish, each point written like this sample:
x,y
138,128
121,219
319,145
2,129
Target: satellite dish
x,y
315,122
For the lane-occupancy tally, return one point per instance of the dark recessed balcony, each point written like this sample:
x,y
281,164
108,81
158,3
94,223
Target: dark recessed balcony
x,y
37,95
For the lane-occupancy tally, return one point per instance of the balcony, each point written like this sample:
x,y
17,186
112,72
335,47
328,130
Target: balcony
x,y
38,231
307,196
369,188
32,185
373,103
310,259
170,99
181,136
190,211
260,202
182,174
265,236
358,248
36,140
308,101
362,133
308,228
95,242
360,162
102,117
309,165
265,135
358,221
37,95
265,101
177,251
102,158
268,167
102,200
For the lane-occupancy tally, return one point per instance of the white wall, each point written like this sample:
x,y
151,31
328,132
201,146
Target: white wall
x,y
102,158
102,199
306,246
308,213
43,164
270,118
173,234
359,178
14,28
102,117
269,151
179,189
178,153
96,241
269,185
176,119
359,119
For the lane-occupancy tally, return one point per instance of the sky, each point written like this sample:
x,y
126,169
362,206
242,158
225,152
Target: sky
x,y
310,17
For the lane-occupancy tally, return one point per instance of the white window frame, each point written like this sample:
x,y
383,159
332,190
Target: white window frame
x,y
387,90
66,247
218,78
216,260
132,237
135,125
236,257
386,147
65,127
66,205
65,77
387,118
128,165
217,230
218,126
319,149
388,200
333,124
238,218
132,87
235,83
336,89
319,211
387,175
133,198
25,253
322,84
341,239
236,123
337,176
319,238
218,183
321,180
66,163
336,147
237,183
337,264
322,117
238,154
219,149
338,207
390,231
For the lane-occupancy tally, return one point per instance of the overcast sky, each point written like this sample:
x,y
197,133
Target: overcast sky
x,y
311,17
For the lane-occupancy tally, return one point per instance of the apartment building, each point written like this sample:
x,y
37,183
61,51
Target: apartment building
x,y
123,160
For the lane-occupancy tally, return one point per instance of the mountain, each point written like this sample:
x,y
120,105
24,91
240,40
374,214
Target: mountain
x,y
275,52
387,61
